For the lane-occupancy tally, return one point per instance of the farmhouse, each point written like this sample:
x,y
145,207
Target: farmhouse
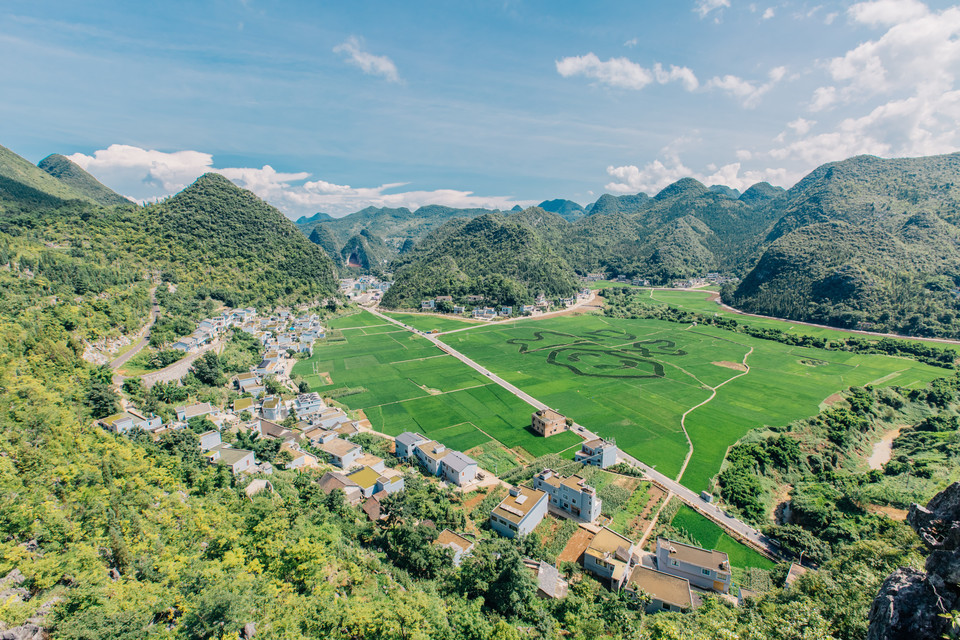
x,y
196,411
549,582
600,453
332,481
519,513
609,556
460,546
239,460
406,442
667,592
342,454
372,481
572,494
458,468
547,422
702,568
130,419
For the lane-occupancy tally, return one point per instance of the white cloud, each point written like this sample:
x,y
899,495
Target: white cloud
x,y
769,13
632,42
887,12
749,93
370,64
830,17
656,175
801,126
703,8
623,73
148,175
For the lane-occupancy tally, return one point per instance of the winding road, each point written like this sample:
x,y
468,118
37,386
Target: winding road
x,y
740,530
116,363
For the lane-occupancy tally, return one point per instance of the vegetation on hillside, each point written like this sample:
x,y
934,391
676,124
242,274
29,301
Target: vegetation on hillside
x,y
70,173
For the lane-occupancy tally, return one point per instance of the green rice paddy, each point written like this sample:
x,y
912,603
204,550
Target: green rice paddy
x,y
410,385
632,380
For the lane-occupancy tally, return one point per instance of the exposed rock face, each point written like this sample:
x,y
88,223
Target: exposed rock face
x,y
910,602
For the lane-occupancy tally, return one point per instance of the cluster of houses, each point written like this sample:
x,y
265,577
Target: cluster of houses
x,y
671,577
364,285
453,466
278,333
475,305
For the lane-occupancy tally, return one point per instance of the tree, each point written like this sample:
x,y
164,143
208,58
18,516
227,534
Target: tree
x,y
100,396
496,573
208,370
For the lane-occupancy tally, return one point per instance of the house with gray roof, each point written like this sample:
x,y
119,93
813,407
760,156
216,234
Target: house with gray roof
x,y
406,442
458,468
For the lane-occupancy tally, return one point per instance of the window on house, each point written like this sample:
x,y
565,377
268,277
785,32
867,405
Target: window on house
x,y
705,572
674,563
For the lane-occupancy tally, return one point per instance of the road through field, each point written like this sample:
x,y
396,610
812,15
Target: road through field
x,y
740,530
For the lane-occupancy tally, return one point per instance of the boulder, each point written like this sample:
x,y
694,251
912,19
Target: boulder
x,y
24,632
908,607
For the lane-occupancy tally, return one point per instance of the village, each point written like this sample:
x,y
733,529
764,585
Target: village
x,y
309,434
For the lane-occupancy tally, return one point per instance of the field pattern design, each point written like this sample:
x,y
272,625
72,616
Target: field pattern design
x,y
589,356
632,380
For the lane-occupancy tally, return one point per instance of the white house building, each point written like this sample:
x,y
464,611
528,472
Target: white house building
x,y
570,494
519,513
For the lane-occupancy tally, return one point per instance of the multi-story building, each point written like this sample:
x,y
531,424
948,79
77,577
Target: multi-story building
x,y
569,494
520,512
548,422
406,442
704,568
609,556
598,452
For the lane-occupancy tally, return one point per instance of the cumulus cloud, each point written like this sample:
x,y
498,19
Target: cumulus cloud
x,y
148,175
887,12
703,8
654,176
623,73
768,13
370,64
749,93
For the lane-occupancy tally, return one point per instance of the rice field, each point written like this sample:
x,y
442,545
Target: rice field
x,y
632,380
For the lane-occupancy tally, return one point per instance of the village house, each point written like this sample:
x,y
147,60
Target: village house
x,y
299,459
666,592
308,404
460,546
527,309
342,454
428,305
609,556
572,494
272,408
484,313
272,431
372,481
547,422
519,513
406,443
238,460
506,311
244,404
430,454
332,481
197,410
459,310
458,468
186,344
549,583
209,439
444,299
474,299
703,568
129,420
599,453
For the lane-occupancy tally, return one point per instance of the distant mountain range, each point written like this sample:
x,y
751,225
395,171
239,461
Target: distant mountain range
x,y
865,242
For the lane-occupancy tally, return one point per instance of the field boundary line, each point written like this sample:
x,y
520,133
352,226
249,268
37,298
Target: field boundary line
x,y
429,395
713,395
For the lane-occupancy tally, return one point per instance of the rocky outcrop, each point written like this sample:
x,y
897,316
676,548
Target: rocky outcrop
x,y
911,603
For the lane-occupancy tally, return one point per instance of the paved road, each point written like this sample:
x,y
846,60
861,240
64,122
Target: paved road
x,y
179,368
741,530
144,333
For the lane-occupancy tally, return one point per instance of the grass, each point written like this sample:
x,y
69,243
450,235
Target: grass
x,y
710,536
632,380
632,509
429,322
407,384
494,457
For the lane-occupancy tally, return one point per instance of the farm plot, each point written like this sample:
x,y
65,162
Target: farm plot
x,y
404,383
710,536
633,380
429,322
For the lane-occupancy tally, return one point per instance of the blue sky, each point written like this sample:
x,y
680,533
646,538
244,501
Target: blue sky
x,y
321,106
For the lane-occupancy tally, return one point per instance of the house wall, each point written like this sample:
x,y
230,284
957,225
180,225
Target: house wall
x,y
698,576
463,477
243,464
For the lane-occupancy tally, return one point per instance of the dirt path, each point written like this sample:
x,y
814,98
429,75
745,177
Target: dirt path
x,y
883,450
713,394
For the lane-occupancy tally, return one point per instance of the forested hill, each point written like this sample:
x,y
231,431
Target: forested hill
x,y
394,226
493,255
237,240
70,173
865,242
24,186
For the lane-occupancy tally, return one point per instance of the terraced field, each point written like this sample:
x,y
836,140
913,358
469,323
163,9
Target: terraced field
x,y
404,383
633,380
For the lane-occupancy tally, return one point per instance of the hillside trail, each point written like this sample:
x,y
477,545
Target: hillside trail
x,y
713,394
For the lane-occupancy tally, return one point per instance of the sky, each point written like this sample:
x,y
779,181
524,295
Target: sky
x,y
324,106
